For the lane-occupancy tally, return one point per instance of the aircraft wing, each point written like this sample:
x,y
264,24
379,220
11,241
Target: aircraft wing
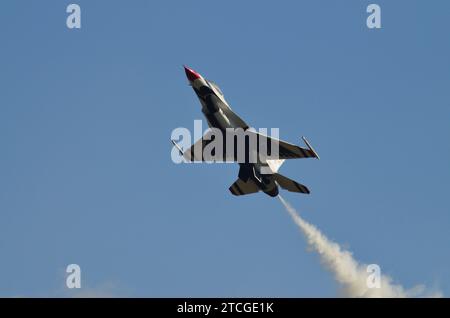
x,y
290,151
285,150
196,151
241,187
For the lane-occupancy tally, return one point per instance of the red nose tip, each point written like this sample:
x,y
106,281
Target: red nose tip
x,y
191,74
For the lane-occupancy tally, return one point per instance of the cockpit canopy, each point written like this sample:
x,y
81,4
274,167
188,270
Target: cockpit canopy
x,y
216,87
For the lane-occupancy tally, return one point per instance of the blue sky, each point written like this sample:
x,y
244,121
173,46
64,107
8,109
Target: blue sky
x,y
85,123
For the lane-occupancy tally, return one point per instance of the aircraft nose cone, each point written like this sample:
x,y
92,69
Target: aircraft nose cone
x,y
191,74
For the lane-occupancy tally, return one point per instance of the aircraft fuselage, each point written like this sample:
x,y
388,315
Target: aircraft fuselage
x,y
219,115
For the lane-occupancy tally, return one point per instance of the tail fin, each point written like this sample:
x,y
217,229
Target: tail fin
x,y
289,184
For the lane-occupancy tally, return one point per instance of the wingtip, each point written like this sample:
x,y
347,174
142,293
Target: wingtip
x,y
177,146
310,148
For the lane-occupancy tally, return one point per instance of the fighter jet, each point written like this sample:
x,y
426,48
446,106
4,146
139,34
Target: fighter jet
x,y
254,176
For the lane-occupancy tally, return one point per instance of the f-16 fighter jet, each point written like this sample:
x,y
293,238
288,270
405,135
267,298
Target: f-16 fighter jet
x,y
259,160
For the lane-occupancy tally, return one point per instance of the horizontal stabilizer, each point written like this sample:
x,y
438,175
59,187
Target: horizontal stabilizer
x,y
241,187
289,184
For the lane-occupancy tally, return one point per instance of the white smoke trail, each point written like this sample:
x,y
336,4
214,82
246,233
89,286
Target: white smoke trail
x,y
351,275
